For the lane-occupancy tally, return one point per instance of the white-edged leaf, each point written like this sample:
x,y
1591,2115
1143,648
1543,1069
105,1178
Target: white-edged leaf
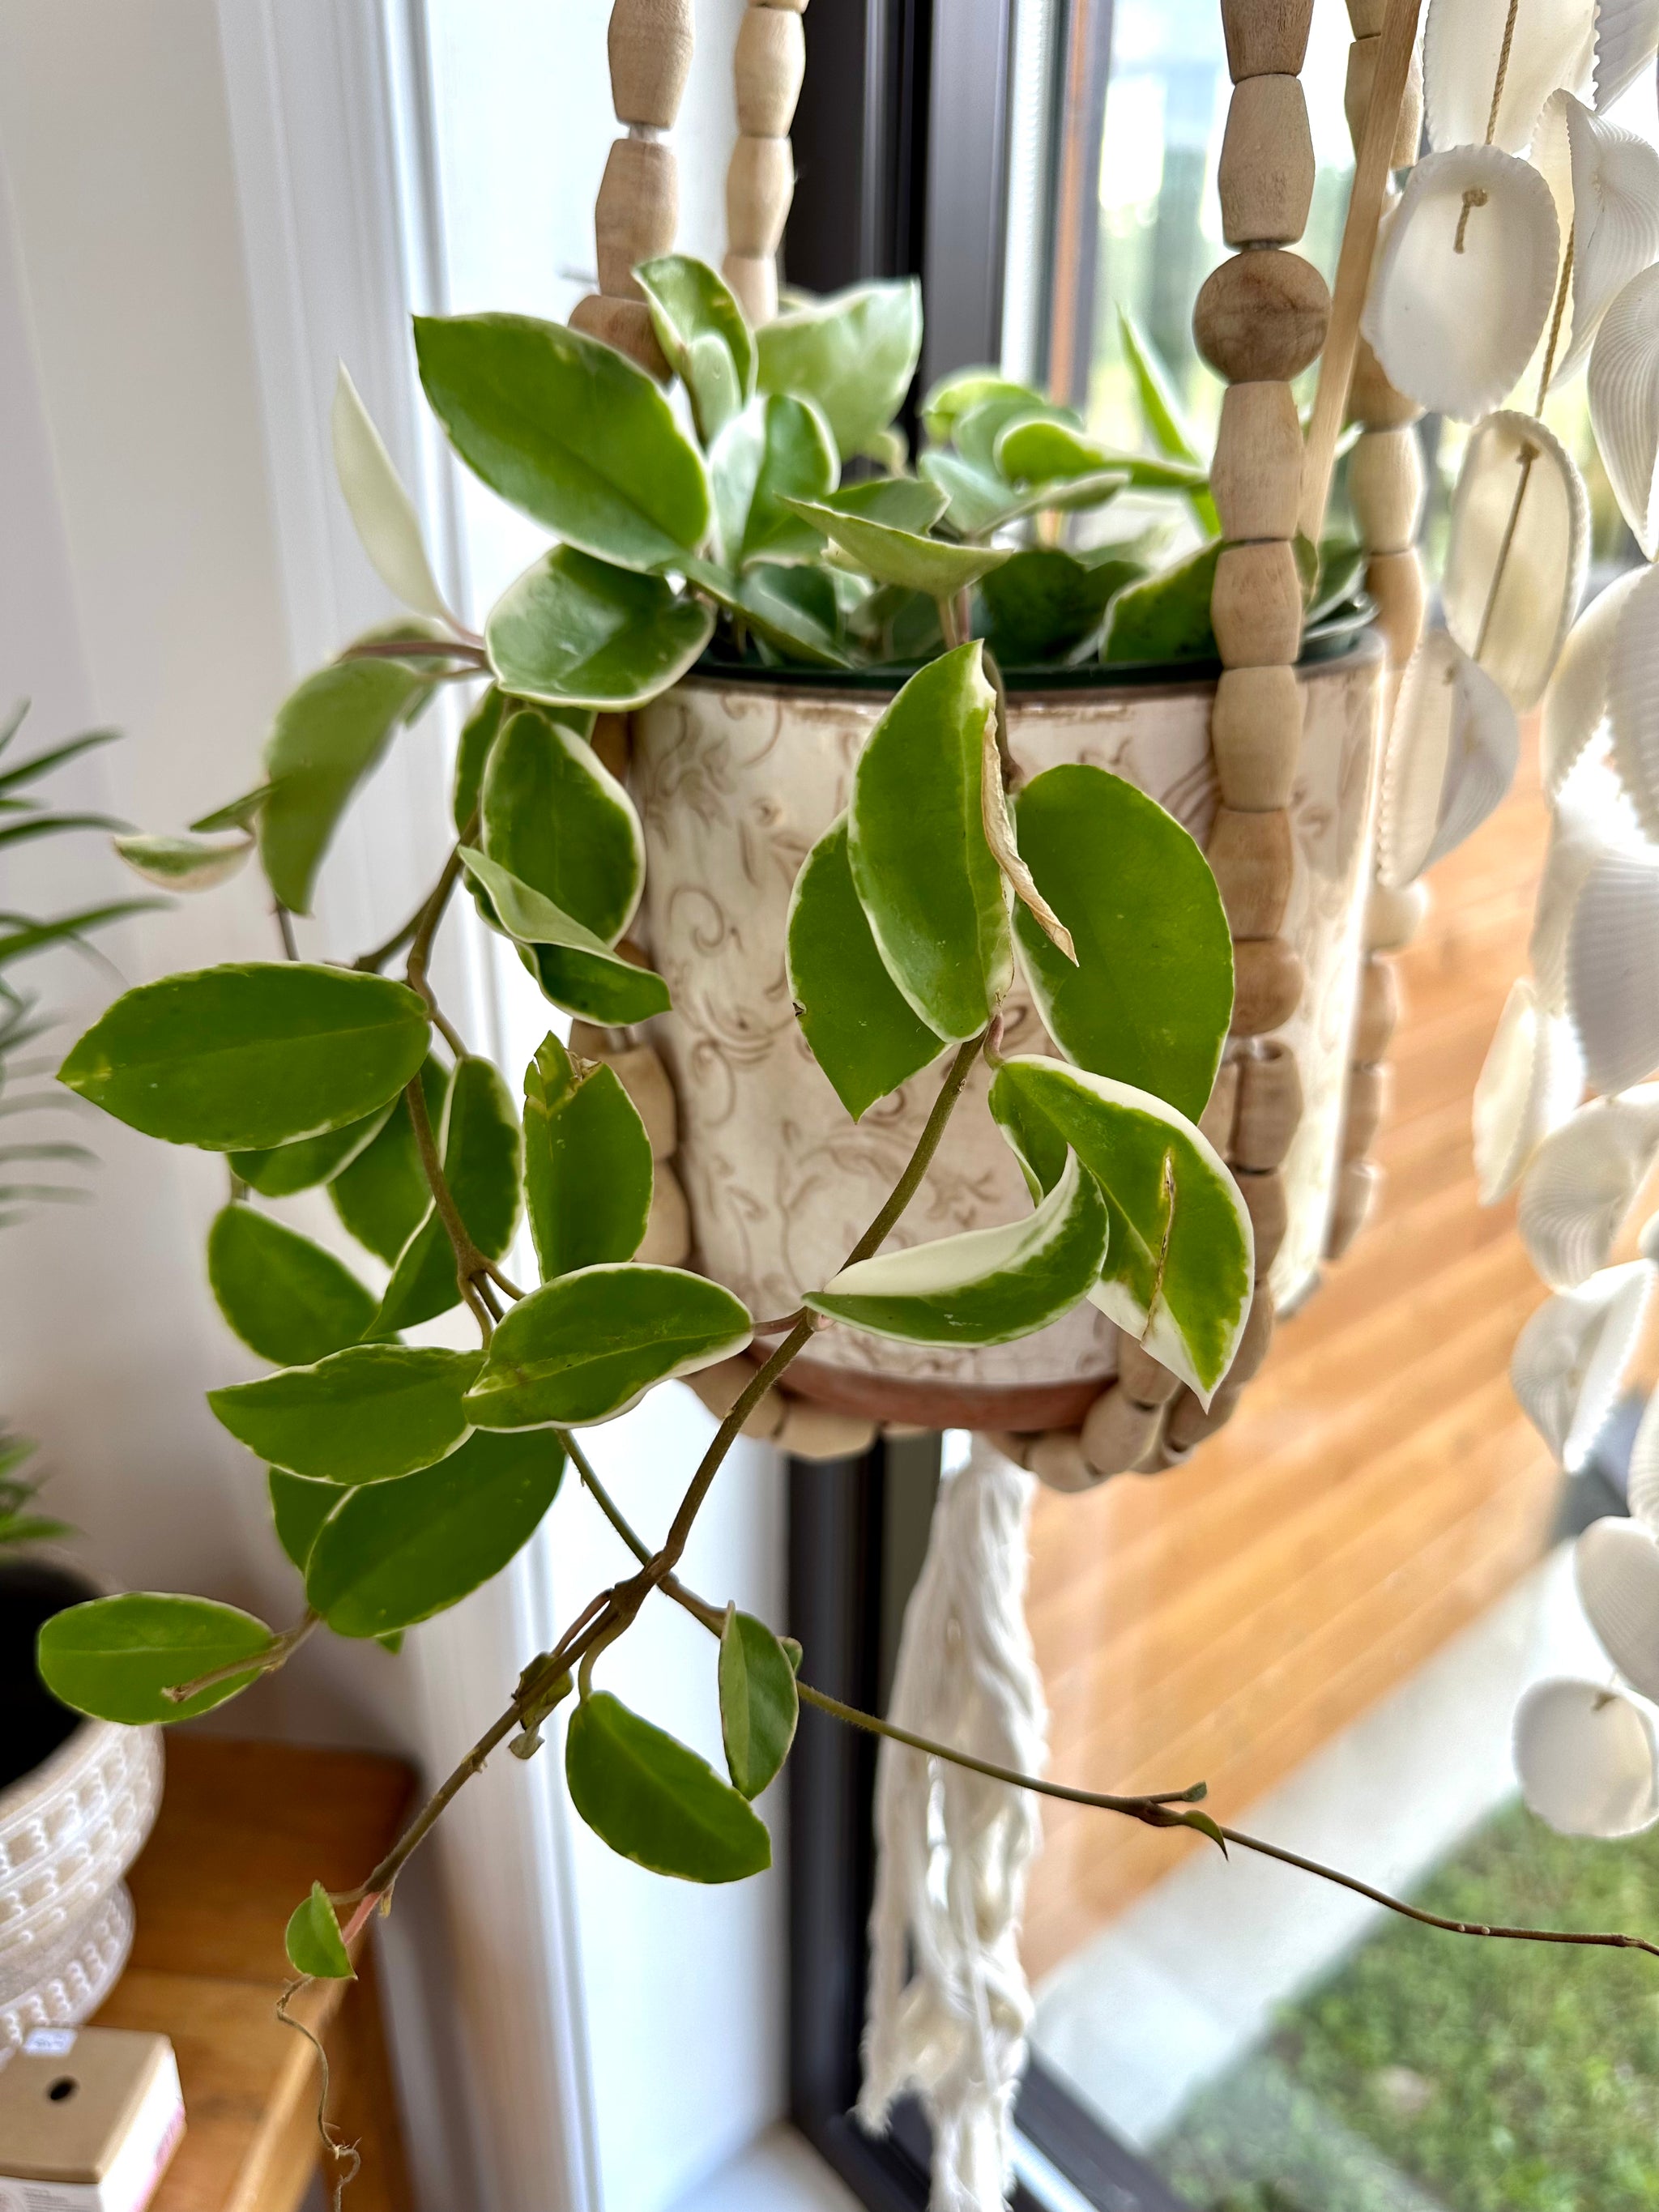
x,y
381,510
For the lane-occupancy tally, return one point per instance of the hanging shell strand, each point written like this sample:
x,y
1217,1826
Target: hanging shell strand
x,y
638,209
760,184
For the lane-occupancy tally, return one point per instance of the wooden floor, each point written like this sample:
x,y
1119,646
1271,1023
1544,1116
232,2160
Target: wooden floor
x,y
1378,1489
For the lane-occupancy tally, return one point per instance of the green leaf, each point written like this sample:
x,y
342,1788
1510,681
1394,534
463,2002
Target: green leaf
x,y
32,937
240,814
1180,1263
396,1552
483,1160
569,431
854,354
1338,578
39,764
587,1163
924,873
313,1939
287,1298
1166,618
759,1703
238,1058
986,1286
976,497
382,512
184,863
964,391
326,738
900,557
281,1170
478,734
32,825
792,608
1043,604
778,446
904,502
704,336
366,1414
656,1803
299,1506
116,1658
575,631
1160,410
586,1347
1036,449
861,1029
556,819
381,1195
577,970
1150,996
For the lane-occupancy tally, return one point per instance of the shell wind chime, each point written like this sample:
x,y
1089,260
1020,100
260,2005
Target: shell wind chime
x,y
1522,247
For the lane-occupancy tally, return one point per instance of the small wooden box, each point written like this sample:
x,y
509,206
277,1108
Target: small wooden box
x,y
89,2119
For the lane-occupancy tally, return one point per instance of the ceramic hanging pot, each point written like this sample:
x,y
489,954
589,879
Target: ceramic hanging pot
x,y
735,778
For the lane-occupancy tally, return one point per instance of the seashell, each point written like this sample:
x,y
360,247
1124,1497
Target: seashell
x,y
1624,403
1643,1486
1633,701
1576,698
1613,968
1530,1082
1583,1180
1450,758
1615,1564
1548,42
1585,1758
1605,182
1519,546
1569,1361
1627,37
1592,818
1453,327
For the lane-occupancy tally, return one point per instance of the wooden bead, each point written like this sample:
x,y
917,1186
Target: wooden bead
x,y
1365,18
1255,1339
1394,918
1143,1379
1368,1101
1265,177
1358,1185
1256,473
649,45
1216,1122
1255,605
1269,1207
754,279
636,214
759,187
1385,489
640,1071
626,325
1378,1013
1262,316
1267,984
612,743
1266,38
1255,734
1356,98
1117,1432
795,8
1056,1459
1012,1446
1252,857
1269,1108
1171,1455
1190,1422
812,1431
1395,581
720,1386
668,1225
771,61
1373,400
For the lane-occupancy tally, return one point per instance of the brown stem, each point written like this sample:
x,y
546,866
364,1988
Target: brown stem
x,y
417,648
285,930
471,1265
263,1663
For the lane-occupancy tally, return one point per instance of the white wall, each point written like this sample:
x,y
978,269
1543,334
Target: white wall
x,y
171,553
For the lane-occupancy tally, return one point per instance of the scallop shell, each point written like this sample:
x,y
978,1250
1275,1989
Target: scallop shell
x,y
1615,1564
1529,1084
1613,969
1627,37
1583,1180
1586,1761
1643,1482
1593,817
1624,403
1569,1361
1519,546
1455,330
1633,701
1451,757
1605,182
1576,698
1549,42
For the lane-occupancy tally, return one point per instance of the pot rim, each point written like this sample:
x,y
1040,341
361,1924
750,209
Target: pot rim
x,y
87,1728
1341,647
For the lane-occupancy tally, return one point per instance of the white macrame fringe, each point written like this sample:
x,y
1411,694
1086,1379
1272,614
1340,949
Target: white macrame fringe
x,y
948,2006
